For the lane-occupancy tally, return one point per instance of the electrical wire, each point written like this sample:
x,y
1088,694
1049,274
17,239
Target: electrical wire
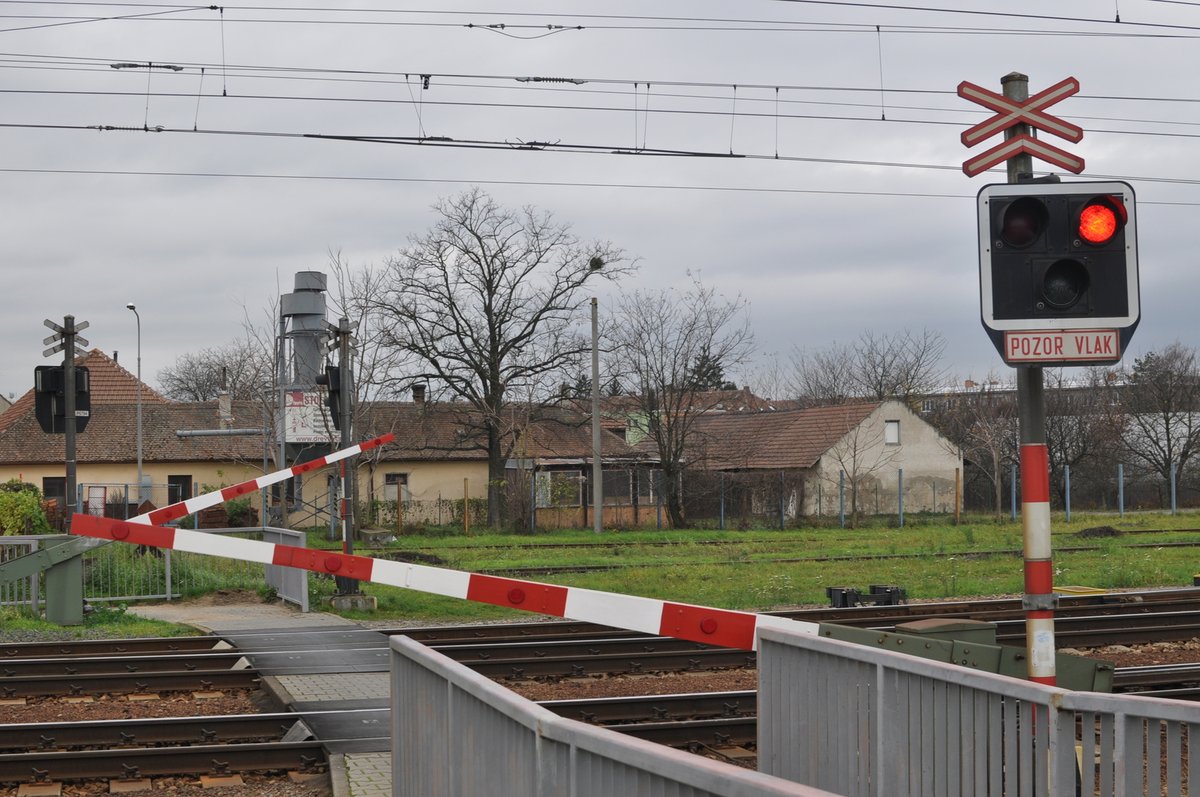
x,y
558,183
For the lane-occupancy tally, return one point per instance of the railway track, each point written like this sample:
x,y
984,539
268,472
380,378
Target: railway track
x,y
721,724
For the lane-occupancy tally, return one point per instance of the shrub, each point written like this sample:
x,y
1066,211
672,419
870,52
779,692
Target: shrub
x,y
21,513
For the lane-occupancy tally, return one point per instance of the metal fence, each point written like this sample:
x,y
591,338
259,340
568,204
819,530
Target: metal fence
x,y
458,734
24,592
864,722
116,573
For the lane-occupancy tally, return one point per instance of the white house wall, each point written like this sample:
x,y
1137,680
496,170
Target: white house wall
x,y
929,461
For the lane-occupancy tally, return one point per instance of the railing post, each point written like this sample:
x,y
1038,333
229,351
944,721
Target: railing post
x,y
1067,490
1012,492
842,498
1173,505
722,488
1121,487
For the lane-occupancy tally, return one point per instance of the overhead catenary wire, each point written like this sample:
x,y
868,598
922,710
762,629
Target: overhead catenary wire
x,y
604,21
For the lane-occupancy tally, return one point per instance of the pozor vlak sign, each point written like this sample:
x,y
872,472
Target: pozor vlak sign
x,y
1058,271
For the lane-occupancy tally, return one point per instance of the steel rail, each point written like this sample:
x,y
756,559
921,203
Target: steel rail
x,y
167,646
127,683
152,732
102,665
217,759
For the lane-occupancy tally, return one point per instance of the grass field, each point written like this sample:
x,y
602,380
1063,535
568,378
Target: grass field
x,y
765,569
757,569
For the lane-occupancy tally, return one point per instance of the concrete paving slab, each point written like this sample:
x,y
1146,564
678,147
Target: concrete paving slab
x,y
219,618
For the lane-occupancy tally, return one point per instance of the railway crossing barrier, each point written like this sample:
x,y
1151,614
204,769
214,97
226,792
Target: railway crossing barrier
x,y
845,718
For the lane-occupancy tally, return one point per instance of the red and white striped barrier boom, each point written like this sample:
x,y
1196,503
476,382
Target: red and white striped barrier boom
x,y
722,627
194,505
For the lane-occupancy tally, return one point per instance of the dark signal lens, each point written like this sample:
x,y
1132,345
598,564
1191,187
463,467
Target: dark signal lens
x,y
1023,222
1064,284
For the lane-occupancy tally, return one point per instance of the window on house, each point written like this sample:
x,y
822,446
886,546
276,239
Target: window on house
x,y
396,484
647,485
95,497
617,487
179,488
559,488
55,488
891,433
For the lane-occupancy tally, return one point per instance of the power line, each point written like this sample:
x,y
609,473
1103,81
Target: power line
x,y
660,23
554,183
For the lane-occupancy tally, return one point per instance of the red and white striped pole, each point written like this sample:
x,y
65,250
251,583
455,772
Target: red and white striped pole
x,y
1039,571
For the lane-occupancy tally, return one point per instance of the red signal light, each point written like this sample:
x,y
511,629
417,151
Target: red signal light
x,y
1099,221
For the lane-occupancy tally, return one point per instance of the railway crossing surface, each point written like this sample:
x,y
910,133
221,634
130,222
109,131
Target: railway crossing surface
x,y
353,676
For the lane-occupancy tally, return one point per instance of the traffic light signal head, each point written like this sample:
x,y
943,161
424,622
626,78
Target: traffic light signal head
x,y
50,406
332,380
1058,257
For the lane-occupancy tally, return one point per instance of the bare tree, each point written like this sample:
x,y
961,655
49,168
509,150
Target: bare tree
x,y
659,336
981,423
243,368
487,302
1161,399
875,367
861,454
825,376
1082,426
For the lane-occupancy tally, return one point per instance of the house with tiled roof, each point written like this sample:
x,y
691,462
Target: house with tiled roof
x,y
174,466
867,452
436,465
439,457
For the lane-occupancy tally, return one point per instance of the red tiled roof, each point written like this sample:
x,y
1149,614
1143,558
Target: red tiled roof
x,y
109,384
771,440
453,431
423,432
111,435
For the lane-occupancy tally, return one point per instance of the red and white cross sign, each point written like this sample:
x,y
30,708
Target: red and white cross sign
x,y
1017,145
1010,112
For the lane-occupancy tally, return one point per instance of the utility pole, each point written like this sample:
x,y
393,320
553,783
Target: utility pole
x,y
344,342
64,579
597,464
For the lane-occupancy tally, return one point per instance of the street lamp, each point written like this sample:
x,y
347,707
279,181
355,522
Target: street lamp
x,y
136,315
595,264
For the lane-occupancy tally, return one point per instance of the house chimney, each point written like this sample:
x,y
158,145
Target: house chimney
x,y
225,409
418,394
116,355
969,384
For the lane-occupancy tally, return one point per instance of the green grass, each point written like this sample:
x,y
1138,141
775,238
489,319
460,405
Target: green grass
x,y
104,622
980,557
930,557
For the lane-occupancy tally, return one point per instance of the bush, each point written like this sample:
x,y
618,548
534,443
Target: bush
x,y
21,512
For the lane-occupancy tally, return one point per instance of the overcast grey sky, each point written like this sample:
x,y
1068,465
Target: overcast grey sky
x,y
864,220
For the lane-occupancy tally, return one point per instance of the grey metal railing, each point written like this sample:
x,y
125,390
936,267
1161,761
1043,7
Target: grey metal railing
x,y
458,734
865,722
23,592
115,573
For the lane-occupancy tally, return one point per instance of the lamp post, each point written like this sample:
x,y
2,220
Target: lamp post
x,y
595,264
136,315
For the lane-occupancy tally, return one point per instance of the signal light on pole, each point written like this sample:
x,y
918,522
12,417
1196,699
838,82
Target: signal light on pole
x,y
332,380
1058,261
